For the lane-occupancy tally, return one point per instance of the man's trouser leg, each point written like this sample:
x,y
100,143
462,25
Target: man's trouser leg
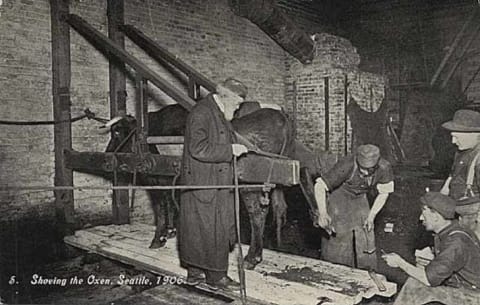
x,y
416,293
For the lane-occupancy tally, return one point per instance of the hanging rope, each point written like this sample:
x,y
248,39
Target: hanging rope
x,y
87,114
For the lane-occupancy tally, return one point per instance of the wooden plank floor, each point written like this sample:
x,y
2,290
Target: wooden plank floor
x,y
280,279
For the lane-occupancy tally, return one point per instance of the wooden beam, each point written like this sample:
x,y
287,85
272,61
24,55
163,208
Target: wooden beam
x,y
141,112
118,92
95,162
326,95
452,47
118,96
165,140
157,55
460,56
193,89
345,114
280,27
110,49
162,55
408,86
61,75
252,168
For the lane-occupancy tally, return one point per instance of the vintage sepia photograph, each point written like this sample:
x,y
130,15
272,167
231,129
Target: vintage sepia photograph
x,y
260,152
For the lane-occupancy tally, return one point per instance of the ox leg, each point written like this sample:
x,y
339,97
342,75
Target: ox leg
x,y
279,208
159,209
171,217
257,214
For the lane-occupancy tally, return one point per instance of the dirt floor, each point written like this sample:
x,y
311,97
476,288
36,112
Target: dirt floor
x,y
30,247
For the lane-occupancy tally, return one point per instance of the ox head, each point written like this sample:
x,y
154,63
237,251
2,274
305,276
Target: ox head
x,y
122,129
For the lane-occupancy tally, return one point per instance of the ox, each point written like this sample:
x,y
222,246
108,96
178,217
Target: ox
x,y
268,129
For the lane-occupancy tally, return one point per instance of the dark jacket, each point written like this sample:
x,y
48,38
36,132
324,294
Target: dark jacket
x,y
206,223
457,258
459,172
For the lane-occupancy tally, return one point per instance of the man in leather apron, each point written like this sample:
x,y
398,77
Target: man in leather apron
x,y
347,217
453,275
463,183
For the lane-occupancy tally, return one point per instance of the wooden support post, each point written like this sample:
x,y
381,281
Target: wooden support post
x,y
345,115
295,119
115,13
193,89
118,96
327,112
141,113
61,74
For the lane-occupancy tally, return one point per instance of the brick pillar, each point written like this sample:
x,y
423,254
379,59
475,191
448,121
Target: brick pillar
x,y
335,62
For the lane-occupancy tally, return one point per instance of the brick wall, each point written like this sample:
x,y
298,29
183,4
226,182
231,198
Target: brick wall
x,y
26,155
336,60
205,34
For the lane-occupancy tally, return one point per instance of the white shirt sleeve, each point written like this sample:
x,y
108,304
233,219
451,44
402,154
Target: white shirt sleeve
x,y
385,188
319,181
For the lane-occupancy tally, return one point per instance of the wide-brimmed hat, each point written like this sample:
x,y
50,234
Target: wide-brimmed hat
x,y
464,121
443,204
368,155
468,205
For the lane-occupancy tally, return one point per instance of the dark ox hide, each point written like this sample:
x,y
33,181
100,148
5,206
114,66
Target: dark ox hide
x,y
267,129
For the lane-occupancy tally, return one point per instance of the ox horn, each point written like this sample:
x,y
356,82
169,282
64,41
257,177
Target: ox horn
x,y
106,127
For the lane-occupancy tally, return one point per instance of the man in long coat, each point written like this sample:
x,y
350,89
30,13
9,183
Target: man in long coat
x,y
207,220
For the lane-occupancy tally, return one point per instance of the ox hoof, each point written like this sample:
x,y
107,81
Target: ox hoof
x,y
250,265
158,242
171,233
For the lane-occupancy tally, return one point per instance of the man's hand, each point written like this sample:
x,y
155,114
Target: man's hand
x,y
369,223
445,190
393,259
325,222
239,149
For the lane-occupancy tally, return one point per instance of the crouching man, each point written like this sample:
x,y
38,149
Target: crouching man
x,y
346,215
453,275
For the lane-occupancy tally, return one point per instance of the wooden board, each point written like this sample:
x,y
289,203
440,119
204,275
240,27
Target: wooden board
x,y
178,295
126,162
280,279
252,168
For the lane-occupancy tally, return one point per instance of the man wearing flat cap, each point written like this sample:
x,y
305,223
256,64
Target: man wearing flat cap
x,y
464,180
206,220
347,217
453,275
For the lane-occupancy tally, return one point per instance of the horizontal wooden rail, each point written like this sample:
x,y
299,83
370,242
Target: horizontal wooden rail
x,y
165,140
131,187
